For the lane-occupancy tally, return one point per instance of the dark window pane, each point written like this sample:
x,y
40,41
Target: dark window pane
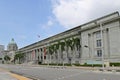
x,y
99,53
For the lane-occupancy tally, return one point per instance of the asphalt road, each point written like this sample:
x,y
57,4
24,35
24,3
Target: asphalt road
x,y
47,73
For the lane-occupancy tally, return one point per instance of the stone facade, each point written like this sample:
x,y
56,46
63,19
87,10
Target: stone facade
x,y
12,46
107,44
11,49
88,43
1,53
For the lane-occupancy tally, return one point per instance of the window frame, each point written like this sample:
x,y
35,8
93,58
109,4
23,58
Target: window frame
x,y
99,53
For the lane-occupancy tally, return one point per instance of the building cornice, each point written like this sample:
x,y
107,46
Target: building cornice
x,y
98,24
78,29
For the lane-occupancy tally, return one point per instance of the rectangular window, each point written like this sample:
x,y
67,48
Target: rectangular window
x,y
44,57
99,53
98,34
98,43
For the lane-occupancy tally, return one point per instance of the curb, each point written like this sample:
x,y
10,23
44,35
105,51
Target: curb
x,y
19,77
23,77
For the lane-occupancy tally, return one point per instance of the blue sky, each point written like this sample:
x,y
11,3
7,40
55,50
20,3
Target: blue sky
x,y
24,20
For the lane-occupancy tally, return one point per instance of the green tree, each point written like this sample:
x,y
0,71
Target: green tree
x,y
69,44
7,58
56,47
62,48
51,51
77,44
67,47
58,51
19,56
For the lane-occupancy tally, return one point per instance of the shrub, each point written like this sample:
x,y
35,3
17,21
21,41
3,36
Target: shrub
x,y
115,64
89,65
39,62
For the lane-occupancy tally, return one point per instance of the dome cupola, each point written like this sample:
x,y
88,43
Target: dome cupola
x,y
12,46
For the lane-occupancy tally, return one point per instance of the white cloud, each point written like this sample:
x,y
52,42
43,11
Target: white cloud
x,y
101,8
71,13
48,24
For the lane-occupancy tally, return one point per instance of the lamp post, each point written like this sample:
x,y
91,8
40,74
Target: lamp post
x,y
49,52
88,48
89,53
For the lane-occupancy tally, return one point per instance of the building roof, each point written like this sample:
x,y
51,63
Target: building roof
x,y
101,19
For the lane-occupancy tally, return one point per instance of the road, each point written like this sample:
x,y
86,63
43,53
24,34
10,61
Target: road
x,y
47,73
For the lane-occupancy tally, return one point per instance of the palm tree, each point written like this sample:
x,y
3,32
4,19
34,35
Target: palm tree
x,y
58,51
56,47
68,43
77,44
67,47
59,48
62,48
74,44
51,51
19,56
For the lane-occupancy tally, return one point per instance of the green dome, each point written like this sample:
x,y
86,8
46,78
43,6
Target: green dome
x,y
12,46
12,41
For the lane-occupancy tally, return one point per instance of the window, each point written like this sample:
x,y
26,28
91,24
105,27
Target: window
x,y
98,35
98,43
44,57
38,50
99,53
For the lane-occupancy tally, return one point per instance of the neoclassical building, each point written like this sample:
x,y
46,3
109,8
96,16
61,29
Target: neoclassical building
x,y
11,49
91,43
1,53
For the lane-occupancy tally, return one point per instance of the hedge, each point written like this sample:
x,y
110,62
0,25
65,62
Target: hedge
x,y
114,64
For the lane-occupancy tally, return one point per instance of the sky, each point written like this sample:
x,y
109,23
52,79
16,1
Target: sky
x,y
29,21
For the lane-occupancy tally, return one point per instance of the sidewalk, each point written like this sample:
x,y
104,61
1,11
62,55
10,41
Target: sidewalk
x,y
6,75
110,69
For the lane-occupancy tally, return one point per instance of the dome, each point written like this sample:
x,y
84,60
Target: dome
x,y
12,46
12,41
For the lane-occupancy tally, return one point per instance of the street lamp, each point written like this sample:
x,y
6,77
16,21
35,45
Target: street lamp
x,y
89,49
89,53
49,52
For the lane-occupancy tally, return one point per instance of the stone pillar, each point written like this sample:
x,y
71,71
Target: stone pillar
x,y
30,56
40,55
92,51
91,46
26,57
